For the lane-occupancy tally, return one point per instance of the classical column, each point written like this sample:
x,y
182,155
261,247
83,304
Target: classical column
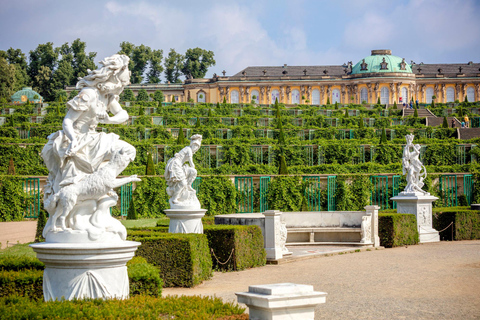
x,y
329,90
247,94
227,93
262,95
375,89
282,94
355,93
309,94
399,91
370,93
288,91
444,95
411,92
477,91
322,93
242,93
343,92
269,95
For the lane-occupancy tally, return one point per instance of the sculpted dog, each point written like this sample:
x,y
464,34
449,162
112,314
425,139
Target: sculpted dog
x,y
92,187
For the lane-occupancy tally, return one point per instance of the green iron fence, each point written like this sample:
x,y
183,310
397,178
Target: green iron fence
x,y
312,193
196,184
31,187
244,186
331,189
264,182
448,190
379,194
468,188
395,189
461,155
125,198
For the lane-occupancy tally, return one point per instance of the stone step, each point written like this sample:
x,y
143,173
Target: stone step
x,y
468,133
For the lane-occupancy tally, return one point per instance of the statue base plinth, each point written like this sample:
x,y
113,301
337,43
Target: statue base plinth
x,y
420,205
85,270
185,220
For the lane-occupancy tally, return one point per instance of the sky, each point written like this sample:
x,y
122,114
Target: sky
x,y
244,33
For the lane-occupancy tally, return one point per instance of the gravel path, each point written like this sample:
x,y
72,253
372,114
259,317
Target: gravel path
x,y
17,232
428,281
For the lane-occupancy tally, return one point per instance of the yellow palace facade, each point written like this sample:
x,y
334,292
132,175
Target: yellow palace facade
x,y
379,76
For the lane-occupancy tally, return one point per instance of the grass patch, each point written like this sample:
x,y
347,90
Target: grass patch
x,y
18,250
141,223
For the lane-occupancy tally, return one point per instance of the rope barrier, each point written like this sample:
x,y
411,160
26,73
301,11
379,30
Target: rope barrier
x,y
218,261
446,227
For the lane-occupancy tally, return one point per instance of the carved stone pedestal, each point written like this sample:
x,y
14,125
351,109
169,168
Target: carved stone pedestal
x,y
85,270
185,221
420,205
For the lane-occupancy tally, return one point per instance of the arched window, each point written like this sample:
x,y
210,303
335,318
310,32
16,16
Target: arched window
x,y
255,96
429,94
295,96
316,96
364,95
384,96
201,97
275,95
471,94
405,95
335,95
450,94
234,96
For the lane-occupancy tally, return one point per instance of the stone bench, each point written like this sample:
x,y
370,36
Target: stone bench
x,y
324,235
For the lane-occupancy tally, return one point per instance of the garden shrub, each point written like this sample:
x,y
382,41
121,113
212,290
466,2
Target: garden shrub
x,y
466,223
236,247
28,283
284,194
12,199
217,195
150,197
183,260
395,229
138,307
144,278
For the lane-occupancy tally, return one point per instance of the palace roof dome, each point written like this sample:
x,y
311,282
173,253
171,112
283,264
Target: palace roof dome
x,y
381,61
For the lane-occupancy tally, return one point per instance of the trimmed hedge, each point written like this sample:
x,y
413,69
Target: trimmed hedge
x,y
23,275
466,224
396,229
236,247
28,283
182,259
139,307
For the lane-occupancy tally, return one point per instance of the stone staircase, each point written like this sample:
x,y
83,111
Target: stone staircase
x,y
468,133
438,122
422,113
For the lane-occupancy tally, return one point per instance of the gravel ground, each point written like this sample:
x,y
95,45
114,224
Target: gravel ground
x,y
15,232
428,281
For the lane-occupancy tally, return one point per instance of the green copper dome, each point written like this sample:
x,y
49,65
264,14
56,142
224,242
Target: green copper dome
x,y
26,94
381,61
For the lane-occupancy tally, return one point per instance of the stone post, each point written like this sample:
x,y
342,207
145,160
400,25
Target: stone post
x,y
373,212
272,238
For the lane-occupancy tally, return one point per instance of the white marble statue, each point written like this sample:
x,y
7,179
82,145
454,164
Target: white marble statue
x,y
83,164
413,167
179,176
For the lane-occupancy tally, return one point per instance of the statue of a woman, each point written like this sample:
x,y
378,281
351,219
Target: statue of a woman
x,y
78,151
180,176
413,167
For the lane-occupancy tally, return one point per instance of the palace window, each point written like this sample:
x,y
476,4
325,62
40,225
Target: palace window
x,y
335,95
234,96
404,95
429,94
384,96
364,95
295,96
470,94
255,96
201,97
450,94
316,96
275,95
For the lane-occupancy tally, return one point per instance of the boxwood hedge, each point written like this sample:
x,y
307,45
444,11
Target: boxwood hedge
x,y
396,229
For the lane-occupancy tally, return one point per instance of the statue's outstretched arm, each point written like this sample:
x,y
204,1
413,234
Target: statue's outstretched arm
x,y
119,115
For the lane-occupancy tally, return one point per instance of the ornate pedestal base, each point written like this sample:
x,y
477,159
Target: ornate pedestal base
x,y
421,206
85,270
185,220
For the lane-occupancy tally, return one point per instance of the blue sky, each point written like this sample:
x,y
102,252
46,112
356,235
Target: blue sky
x,y
254,33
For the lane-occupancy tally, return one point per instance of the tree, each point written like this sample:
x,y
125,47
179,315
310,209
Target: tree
x,y
18,59
445,123
347,115
43,56
197,61
72,95
328,100
7,79
11,167
139,58
383,138
127,95
181,137
224,100
132,212
155,66
395,105
64,74
41,222
150,168
415,112
141,111
158,96
142,95
283,165
173,66
360,124
81,60
44,84
378,100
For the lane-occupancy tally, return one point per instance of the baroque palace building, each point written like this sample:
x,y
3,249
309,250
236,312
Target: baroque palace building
x,y
380,75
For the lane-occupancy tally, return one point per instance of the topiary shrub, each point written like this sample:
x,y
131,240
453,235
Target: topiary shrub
x,y
132,213
397,229
144,278
183,260
150,167
283,166
466,223
235,248
41,221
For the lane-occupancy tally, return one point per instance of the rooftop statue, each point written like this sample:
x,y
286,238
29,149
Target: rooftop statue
x,y
180,176
84,164
413,167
